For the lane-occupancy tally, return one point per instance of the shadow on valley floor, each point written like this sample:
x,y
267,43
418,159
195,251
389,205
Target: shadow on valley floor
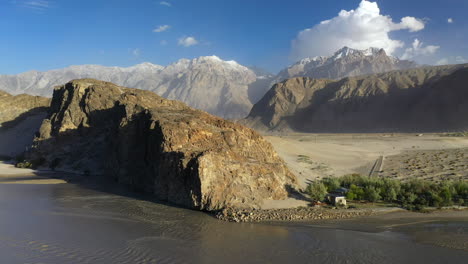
x,y
298,195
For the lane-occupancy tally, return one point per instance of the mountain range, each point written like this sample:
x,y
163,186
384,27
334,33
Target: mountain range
x,y
343,63
207,83
424,99
223,88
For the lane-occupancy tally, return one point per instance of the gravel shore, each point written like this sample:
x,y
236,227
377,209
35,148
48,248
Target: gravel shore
x,y
292,214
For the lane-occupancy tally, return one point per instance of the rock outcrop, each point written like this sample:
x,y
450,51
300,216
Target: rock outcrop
x,y
179,154
20,118
426,99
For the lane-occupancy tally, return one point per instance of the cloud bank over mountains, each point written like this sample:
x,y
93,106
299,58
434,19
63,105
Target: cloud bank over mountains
x,y
361,28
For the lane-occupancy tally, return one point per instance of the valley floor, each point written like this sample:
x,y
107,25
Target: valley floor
x,y
315,156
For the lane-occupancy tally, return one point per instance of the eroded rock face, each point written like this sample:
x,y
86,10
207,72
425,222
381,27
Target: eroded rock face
x,y
179,154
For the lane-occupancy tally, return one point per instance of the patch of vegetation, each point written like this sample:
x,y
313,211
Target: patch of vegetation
x,y
29,164
317,191
315,165
414,195
304,159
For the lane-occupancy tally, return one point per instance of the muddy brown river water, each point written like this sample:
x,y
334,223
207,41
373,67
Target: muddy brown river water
x,y
68,223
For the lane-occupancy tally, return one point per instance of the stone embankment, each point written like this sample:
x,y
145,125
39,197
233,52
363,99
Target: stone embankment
x,y
292,214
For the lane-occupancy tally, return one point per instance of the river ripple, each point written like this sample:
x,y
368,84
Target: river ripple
x,y
69,223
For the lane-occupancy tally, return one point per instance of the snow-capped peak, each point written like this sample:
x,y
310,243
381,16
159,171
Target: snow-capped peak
x,y
146,66
371,51
346,51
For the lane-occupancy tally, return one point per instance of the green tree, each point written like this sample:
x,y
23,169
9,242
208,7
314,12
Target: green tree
x,y
389,194
331,183
317,191
355,193
371,194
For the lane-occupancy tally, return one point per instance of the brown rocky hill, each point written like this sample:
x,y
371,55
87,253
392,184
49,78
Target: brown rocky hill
x,y
415,100
20,118
179,154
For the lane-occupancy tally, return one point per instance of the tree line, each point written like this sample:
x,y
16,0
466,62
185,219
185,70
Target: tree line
x,y
414,194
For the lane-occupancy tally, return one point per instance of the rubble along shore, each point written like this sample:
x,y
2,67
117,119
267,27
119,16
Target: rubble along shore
x,y
290,214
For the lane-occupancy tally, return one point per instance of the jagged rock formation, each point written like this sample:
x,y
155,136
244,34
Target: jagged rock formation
x,y
422,99
20,118
181,155
346,62
208,83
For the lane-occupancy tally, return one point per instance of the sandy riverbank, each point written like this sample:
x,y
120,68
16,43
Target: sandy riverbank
x,y
9,174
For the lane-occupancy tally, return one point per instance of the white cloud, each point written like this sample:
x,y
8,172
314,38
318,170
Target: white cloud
x,y
450,20
443,61
136,53
161,28
163,42
460,59
38,5
452,60
187,41
361,28
418,49
164,3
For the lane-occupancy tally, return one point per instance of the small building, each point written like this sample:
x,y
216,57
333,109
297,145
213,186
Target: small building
x,y
336,199
338,196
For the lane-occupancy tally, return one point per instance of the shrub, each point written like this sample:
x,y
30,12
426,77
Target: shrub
x,y
389,194
317,191
355,193
24,165
331,183
371,194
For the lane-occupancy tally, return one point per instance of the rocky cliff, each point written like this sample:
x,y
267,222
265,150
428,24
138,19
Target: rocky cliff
x,y
179,154
426,99
20,118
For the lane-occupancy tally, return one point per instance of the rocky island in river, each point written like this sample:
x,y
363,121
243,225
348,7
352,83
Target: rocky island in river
x,y
180,155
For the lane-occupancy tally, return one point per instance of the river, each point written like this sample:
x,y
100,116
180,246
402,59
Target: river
x,y
70,223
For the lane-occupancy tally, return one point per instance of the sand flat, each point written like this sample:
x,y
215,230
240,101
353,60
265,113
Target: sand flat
x,y
9,174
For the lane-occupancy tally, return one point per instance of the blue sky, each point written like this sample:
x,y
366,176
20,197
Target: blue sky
x,y
43,35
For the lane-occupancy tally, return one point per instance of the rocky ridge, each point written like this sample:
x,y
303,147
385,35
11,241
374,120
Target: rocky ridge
x,y
426,99
346,62
151,144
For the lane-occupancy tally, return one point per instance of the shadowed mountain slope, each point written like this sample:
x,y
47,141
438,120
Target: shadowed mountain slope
x,y
420,99
20,118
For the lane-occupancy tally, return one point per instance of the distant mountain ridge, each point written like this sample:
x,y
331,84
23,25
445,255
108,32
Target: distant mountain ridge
x,y
223,88
207,83
346,62
425,99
